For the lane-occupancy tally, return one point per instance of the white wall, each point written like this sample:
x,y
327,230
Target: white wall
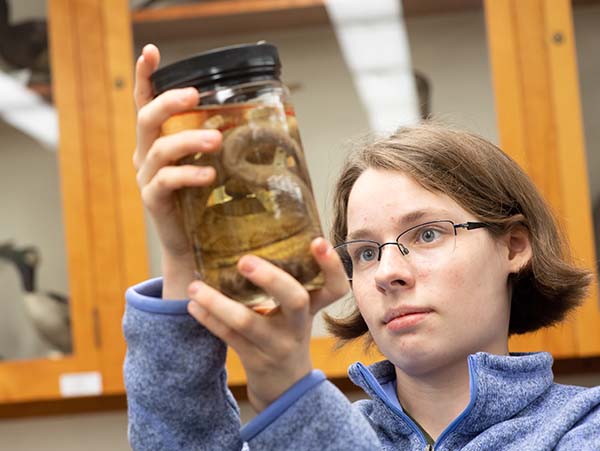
x,y
31,215
450,49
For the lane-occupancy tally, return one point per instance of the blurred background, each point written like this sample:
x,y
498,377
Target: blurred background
x,y
439,49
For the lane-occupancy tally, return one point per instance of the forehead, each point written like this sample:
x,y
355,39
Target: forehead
x,y
392,196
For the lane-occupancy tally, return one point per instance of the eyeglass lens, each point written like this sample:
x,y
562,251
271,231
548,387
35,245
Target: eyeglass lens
x,y
420,245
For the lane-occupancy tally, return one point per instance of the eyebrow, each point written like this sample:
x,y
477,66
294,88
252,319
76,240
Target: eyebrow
x,y
409,218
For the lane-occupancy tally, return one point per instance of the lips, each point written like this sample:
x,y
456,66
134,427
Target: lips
x,y
403,311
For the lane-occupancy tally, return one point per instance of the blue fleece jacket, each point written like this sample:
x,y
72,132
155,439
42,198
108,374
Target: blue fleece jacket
x,y
178,399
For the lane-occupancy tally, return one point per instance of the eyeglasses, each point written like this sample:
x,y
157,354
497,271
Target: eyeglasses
x,y
420,244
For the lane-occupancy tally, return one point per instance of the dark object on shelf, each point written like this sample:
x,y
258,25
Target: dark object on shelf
x,y
424,94
48,311
152,3
24,45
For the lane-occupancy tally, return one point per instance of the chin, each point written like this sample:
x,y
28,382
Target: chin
x,y
412,353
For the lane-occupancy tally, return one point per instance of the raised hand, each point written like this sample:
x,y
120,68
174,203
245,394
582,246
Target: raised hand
x,y
159,177
273,348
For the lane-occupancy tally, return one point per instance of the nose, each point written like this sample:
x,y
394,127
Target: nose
x,y
394,269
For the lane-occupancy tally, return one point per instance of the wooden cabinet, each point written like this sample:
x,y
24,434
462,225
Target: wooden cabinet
x,y
532,49
537,101
106,251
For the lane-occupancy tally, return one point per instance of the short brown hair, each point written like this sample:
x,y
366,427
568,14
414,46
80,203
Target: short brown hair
x,y
486,182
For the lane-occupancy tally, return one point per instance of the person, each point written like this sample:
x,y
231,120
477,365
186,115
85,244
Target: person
x,y
448,249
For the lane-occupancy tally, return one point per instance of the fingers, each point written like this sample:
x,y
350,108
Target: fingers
x,y
145,65
152,115
157,193
296,305
168,149
292,297
218,328
336,281
229,320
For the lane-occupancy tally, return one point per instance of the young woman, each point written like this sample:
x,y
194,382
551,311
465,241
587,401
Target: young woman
x,y
449,249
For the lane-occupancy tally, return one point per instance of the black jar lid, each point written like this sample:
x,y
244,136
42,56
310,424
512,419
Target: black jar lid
x,y
220,67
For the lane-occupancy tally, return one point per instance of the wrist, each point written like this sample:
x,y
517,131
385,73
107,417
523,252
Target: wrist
x,y
178,272
281,404
271,388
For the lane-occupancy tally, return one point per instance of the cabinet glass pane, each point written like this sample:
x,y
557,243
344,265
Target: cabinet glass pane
x,y
449,58
34,293
587,39
447,51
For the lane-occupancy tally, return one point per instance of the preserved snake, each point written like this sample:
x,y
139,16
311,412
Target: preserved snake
x,y
261,202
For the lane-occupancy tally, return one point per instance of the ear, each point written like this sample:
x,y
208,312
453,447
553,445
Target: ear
x,y
519,248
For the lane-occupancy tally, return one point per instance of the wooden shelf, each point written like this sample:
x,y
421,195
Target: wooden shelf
x,y
217,8
240,16
223,17
214,17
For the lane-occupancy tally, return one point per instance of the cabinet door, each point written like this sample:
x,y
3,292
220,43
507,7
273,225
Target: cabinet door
x,y
532,51
99,206
49,346
94,69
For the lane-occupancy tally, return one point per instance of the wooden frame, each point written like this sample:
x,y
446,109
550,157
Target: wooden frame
x,y
106,249
537,99
39,379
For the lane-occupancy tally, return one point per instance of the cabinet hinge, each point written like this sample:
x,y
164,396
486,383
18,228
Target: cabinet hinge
x,y
96,326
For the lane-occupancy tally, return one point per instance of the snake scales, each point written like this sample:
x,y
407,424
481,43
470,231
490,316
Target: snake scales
x,y
263,205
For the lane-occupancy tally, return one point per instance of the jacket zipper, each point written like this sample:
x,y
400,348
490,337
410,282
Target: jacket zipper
x,y
372,382
375,387
460,418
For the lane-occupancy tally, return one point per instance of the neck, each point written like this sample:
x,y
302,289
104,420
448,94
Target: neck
x,y
438,395
434,399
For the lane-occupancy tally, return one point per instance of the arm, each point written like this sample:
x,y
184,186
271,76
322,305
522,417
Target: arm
x,y
313,414
175,378
298,409
174,369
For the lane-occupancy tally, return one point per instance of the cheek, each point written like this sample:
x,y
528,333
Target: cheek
x,y
366,308
449,285
445,279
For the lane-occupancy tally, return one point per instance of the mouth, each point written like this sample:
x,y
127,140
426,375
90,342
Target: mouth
x,y
404,317
404,311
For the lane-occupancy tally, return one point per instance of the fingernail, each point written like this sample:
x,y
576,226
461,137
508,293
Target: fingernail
x,y
194,288
248,264
203,171
210,136
322,247
190,92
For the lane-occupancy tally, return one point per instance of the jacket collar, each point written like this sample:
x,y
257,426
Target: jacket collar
x,y
501,386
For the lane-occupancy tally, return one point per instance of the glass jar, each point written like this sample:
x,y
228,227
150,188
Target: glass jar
x,y
261,201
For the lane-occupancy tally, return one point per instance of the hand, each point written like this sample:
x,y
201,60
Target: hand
x,y
274,348
157,175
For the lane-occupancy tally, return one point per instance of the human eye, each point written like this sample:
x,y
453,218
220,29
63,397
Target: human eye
x,y
363,253
430,234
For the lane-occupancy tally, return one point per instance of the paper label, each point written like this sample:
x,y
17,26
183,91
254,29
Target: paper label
x,y
80,384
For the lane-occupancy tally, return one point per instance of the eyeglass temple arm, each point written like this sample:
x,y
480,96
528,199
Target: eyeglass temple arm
x,y
471,225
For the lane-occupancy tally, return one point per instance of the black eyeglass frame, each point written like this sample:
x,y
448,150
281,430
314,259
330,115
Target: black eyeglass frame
x,y
469,225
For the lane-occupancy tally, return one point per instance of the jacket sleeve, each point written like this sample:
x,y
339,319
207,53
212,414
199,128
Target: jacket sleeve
x,y
585,434
175,378
313,414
